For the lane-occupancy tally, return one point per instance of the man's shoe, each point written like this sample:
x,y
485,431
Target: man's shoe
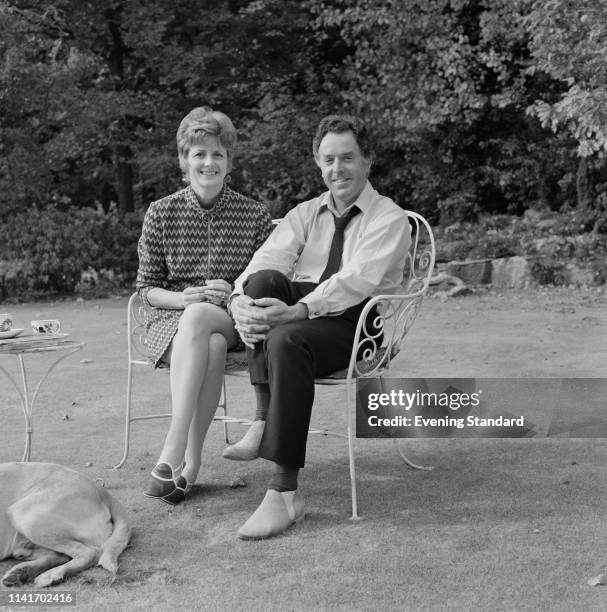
x,y
276,513
247,448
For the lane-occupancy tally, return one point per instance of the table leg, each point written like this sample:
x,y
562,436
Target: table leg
x,y
24,406
27,411
27,404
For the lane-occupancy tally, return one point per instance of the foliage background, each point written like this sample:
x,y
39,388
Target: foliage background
x,y
479,108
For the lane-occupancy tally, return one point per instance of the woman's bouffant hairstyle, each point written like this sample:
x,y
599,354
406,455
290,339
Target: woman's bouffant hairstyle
x,y
198,123
338,124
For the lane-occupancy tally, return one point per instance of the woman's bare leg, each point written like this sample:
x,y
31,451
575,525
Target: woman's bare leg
x,y
189,358
207,405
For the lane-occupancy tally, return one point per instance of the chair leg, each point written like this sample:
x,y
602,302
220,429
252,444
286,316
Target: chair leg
x,y
349,417
223,404
127,420
411,464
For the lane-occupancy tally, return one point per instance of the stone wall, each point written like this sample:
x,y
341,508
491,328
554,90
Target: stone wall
x,y
506,272
514,272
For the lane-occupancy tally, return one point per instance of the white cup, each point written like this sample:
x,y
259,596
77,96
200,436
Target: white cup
x,y
6,321
46,326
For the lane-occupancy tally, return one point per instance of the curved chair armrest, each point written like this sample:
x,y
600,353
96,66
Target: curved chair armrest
x,y
372,352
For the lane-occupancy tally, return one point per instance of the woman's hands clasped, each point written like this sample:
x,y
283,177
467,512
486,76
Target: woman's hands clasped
x,y
216,291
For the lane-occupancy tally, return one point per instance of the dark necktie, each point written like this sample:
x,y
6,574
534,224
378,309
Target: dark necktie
x,y
337,244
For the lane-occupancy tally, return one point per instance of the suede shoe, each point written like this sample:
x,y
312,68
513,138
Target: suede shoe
x,y
247,448
276,513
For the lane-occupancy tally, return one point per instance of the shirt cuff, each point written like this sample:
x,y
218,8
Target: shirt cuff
x,y
317,306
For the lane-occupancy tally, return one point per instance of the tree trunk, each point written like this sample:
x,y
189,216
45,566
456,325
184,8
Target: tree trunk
x,y
122,153
582,185
125,179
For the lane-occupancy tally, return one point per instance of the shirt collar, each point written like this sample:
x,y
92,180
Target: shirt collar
x,y
364,200
221,201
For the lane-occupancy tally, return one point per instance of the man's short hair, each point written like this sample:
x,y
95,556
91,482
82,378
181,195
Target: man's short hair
x,y
338,124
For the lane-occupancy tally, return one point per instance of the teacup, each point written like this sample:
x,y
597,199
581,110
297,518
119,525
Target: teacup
x,y
46,326
6,321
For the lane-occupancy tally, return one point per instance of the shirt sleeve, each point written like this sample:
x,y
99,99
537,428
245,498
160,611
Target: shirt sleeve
x,y
280,250
378,262
152,270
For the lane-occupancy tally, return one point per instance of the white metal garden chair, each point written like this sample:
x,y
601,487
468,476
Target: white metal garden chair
x,y
139,355
396,316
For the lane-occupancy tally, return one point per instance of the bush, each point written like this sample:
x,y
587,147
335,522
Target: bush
x,y
490,238
551,254
459,206
547,271
551,242
47,251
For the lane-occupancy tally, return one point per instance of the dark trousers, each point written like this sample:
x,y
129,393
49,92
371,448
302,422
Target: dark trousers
x,y
289,359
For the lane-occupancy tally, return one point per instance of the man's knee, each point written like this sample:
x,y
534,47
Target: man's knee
x,y
264,283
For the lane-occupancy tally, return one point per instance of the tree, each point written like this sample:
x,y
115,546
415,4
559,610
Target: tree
x,y
92,93
444,84
569,43
73,103
116,78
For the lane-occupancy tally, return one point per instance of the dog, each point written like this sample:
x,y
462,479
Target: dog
x,y
58,522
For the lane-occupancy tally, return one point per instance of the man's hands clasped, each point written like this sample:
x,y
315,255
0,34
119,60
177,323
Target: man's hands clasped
x,y
255,318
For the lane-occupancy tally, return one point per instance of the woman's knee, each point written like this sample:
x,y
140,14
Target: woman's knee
x,y
218,347
200,319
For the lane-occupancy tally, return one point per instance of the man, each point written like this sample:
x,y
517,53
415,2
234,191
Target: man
x,y
297,304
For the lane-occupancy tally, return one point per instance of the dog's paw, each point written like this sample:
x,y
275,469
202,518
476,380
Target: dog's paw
x,y
11,580
109,563
50,577
16,576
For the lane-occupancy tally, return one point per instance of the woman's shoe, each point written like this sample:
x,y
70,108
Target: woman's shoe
x,y
167,484
247,448
178,493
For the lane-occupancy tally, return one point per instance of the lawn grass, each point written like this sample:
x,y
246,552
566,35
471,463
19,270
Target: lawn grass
x,y
497,525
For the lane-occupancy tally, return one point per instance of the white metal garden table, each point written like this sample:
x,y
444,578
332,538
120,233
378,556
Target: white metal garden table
x,y
35,344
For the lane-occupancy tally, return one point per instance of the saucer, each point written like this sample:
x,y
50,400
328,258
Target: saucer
x,y
11,333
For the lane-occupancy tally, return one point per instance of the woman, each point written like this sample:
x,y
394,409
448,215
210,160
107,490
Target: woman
x,y
193,245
